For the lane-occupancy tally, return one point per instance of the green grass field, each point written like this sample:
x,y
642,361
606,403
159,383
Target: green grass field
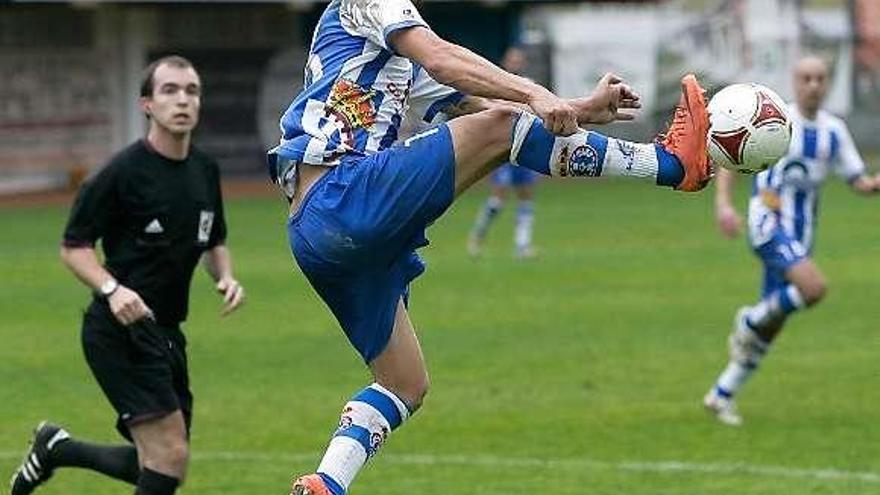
x,y
577,373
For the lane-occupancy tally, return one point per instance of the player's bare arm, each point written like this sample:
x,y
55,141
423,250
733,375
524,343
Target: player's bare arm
x,y
472,74
470,105
610,101
729,221
474,104
126,305
218,263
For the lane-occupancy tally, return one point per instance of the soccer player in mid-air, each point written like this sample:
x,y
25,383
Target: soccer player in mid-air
x,y
781,227
508,178
359,205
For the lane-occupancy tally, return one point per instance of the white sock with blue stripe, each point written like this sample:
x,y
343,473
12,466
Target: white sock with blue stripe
x,y
525,219
486,215
366,421
589,154
775,306
734,376
769,312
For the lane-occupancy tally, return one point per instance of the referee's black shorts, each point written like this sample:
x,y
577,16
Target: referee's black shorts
x,y
141,368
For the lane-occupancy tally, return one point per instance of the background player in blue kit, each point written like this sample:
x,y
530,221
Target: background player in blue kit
x,y
521,182
508,178
359,204
782,220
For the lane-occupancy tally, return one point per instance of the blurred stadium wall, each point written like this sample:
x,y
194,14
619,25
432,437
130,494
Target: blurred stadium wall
x,y
69,72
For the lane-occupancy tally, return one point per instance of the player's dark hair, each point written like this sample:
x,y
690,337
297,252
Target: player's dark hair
x,y
150,71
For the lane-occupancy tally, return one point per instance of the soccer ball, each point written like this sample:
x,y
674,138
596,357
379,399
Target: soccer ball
x,y
749,128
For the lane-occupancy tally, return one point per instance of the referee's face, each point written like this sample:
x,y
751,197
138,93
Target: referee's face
x,y
174,104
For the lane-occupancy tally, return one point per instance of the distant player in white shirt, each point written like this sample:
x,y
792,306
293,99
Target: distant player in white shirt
x,y
360,199
781,226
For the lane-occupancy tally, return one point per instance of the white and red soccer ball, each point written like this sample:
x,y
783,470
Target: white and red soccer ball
x,y
750,128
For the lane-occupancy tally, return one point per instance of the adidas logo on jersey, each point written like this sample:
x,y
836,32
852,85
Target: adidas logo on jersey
x,y
154,227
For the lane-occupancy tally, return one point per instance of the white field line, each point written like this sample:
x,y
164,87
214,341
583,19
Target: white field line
x,y
674,467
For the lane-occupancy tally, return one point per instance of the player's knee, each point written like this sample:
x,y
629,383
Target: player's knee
x,y
814,291
415,391
420,390
168,457
501,120
180,452
175,451
177,456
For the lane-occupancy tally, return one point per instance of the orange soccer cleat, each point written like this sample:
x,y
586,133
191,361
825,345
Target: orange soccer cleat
x,y
310,484
687,136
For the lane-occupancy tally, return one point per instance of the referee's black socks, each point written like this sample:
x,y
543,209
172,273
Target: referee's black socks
x,y
120,462
155,483
116,461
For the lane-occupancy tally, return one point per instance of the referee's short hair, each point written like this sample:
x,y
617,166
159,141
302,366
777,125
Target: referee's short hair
x,y
150,71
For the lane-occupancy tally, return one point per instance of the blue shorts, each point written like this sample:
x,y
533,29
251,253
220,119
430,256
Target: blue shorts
x,y
511,175
779,254
357,229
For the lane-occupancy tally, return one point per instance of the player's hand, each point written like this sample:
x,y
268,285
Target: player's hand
x,y
872,184
232,292
867,184
610,101
128,307
558,115
729,222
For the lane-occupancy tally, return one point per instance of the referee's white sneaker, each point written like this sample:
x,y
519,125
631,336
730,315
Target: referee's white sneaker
x,y
37,466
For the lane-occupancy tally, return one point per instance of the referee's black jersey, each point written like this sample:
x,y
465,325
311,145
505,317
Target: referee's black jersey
x,y
155,216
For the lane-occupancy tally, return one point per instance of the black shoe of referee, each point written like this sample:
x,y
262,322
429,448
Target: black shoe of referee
x,y
37,467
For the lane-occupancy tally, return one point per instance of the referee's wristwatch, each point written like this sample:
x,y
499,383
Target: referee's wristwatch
x,y
108,288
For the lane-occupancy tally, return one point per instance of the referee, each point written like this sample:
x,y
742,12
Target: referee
x,y
157,209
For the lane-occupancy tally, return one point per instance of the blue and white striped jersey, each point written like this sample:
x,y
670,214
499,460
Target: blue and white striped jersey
x,y
356,89
787,194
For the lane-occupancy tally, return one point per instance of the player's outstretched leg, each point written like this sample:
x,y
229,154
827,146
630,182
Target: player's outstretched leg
x,y
754,329
679,160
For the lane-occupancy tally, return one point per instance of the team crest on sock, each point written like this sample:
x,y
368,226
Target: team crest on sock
x,y
377,438
578,161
